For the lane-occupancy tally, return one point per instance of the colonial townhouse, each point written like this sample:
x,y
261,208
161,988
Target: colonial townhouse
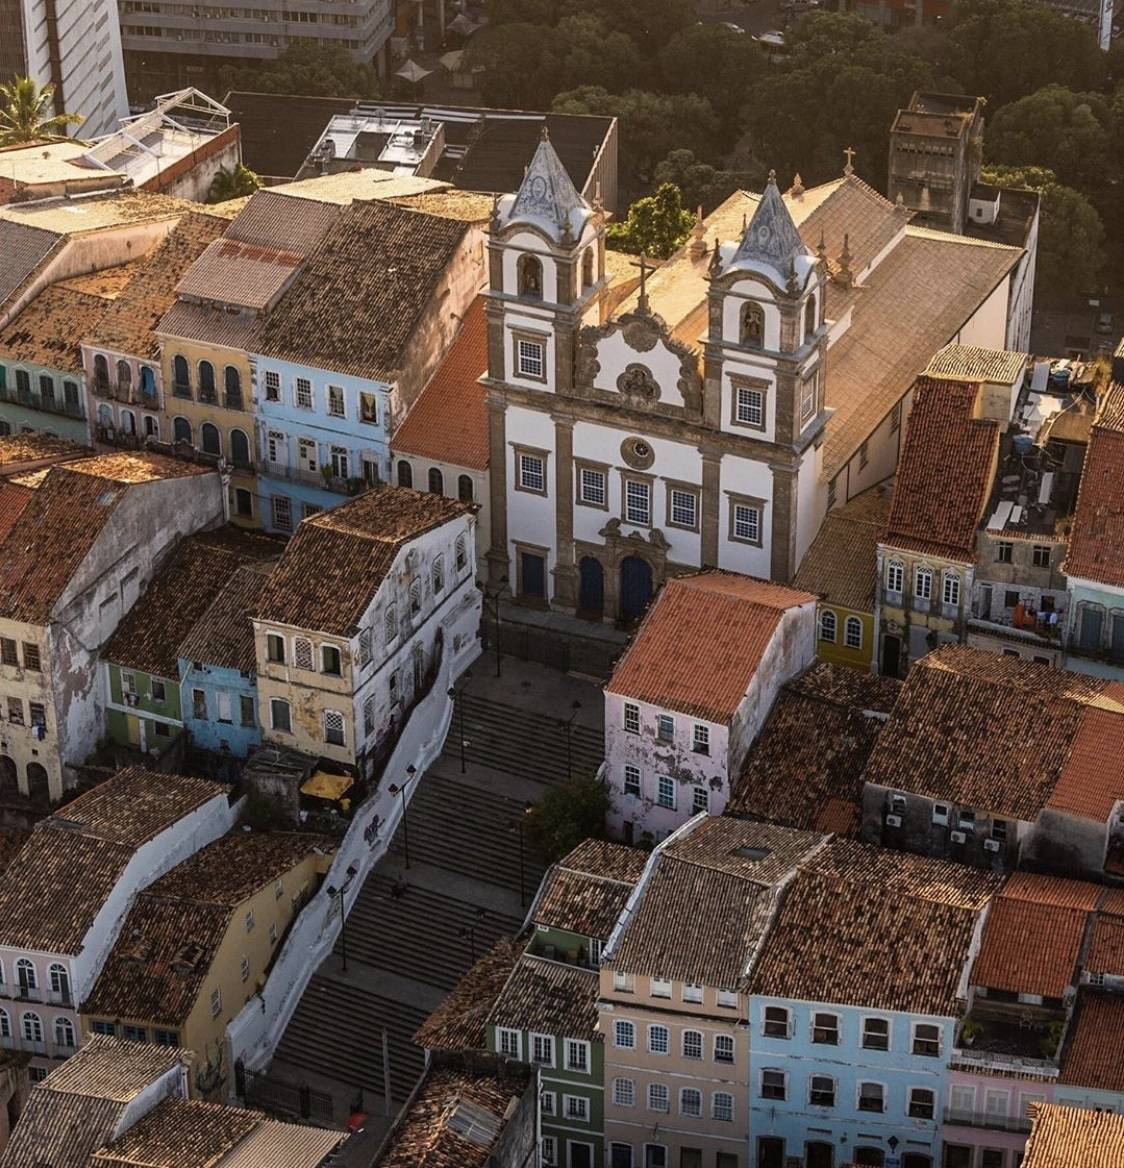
x,y
442,444
999,762
1061,1134
1094,563
367,605
854,1000
64,896
146,702
841,568
207,336
926,559
691,692
124,380
197,944
335,374
218,669
674,1011
42,383
699,423
87,540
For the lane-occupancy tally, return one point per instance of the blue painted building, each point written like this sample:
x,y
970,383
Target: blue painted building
x,y
218,681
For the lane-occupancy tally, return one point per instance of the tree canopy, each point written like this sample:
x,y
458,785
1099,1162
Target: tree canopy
x,y
232,183
311,70
566,815
655,226
27,114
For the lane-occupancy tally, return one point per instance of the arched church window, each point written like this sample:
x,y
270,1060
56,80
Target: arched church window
x,y
587,268
530,277
753,326
810,318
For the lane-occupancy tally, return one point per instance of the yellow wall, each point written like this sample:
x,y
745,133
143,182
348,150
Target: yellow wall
x,y
838,652
19,742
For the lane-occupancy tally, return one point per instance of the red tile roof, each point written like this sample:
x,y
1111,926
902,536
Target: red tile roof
x,y
1072,1137
945,474
449,421
1106,946
13,500
701,642
1092,779
1092,1054
1096,543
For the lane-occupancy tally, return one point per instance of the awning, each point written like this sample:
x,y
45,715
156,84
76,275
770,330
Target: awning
x,y
325,786
413,72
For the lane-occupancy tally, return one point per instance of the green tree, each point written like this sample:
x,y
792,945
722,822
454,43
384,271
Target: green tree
x,y
714,62
26,114
566,815
529,84
311,70
655,226
1055,127
589,52
702,184
650,23
1071,236
232,183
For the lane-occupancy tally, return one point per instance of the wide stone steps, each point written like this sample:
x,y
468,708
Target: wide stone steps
x,y
354,1018
420,933
525,743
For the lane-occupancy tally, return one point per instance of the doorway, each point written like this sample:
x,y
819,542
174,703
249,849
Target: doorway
x,y
636,587
770,1152
818,1154
891,655
591,591
532,576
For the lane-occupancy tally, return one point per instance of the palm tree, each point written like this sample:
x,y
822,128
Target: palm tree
x,y
25,114
232,183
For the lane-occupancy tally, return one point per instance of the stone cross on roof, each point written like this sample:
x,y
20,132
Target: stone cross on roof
x,y
547,196
771,237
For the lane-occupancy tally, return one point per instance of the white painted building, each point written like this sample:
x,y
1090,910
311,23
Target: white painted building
x,y
65,894
691,693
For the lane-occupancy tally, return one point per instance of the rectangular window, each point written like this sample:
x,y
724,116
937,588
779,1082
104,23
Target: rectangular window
x,y
336,407
330,660
275,648
951,582
692,1044
926,1039
700,800
624,1093
658,1040
821,1091
531,359
199,704
692,992
159,693
632,718
776,1022
1003,551
576,1107
282,512
509,1043
549,1150
334,728
244,969
31,656
922,1103
279,715
542,1050
369,409
923,584
746,523
165,1038
876,1034
547,1102
622,982
1041,556
684,509
690,1102
658,1099
15,711
723,1048
135,1033
665,792
895,576
631,780
216,1003
272,385
637,502
532,473
728,999
700,738
592,487
864,455
577,1056
226,708
871,1097
825,1029
37,714
624,1035
303,396
341,465
665,727
246,710
896,417
773,1085
749,408
808,398
8,653
661,987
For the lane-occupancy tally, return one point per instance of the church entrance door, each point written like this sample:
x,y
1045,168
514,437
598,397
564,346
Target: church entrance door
x,y
636,587
591,594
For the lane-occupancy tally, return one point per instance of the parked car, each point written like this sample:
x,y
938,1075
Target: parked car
x,y
1104,323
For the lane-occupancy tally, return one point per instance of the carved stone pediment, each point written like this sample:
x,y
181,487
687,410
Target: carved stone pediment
x,y
637,382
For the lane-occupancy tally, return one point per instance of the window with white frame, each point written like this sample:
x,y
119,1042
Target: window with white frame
x,y
692,992
282,508
747,523
665,792
542,1050
658,1099
872,1097
5,1025
692,1044
272,385
895,576
774,1084
749,407
631,779
876,1034
658,1042
509,1042
690,1102
623,983
302,652
336,408
532,473
624,1034
700,738
592,488
821,1091
307,456
364,647
951,582
922,583
775,1023
922,1103
827,626
926,1039
576,1107
437,575
808,397
577,1056
632,718
460,556
940,813
728,999
684,508
32,1026
547,1101
825,1028
637,501
216,1003
369,716
531,358
549,1148
303,395
341,465
390,622
279,715
665,727
962,1098
275,446
334,728
853,633
660,987
723,1048
700,800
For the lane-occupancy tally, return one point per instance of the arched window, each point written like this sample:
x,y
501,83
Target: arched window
x,y
148,381
101,373
181,430
211,439
827,625
64,1033
239,449
895,576
753,326
436,481
32,1027
405,473
951,584
5,1025
465,490
38,784
9,780
181,376
438,575
810,318
26,976
390,622
462,558
923,583
530,277
415,597
206,381
853,633
60,980
128,422
232,383
587,268
105,416
124,375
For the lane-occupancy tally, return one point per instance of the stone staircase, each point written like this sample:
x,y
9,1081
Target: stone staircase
x,y
522,742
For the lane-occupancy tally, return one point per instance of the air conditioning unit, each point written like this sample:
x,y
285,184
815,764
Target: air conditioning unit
x,y
957,837
893,821
992,845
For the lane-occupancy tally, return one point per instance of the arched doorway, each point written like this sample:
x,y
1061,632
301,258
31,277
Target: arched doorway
x,y
636,587
9,777
591,591
38,784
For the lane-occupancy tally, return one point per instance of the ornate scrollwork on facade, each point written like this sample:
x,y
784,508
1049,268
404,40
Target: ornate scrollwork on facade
x,y
637,382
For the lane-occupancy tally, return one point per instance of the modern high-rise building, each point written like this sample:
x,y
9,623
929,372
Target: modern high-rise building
x,y
74,45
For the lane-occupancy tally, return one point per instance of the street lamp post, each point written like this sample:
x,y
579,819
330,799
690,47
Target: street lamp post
x,y
411,774
493,596
453,694
469,931
517,826
352,871
567,724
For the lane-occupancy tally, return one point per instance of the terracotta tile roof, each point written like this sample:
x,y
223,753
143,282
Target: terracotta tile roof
x,y
701,642
1030,948
1072,1137
150,635
354,306
55,887
97,212
945,473
585,891
178,1133
1092,780
107,283
11,841
807,761
336,562
272,219
606,860
915,301
975,363
550,998
211,326
1096,541
764,853
283,1145
864,926
243,274
13,499
424,1137
130,468
987,732
1110,410
1092,1052
224,634
471,206
449,421
129,324
461,1021
1106,946
841,564
1053,891
113,1068
18,449
25,250
49,330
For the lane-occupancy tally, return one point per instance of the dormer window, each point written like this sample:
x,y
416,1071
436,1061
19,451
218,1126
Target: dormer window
x,y
753,326
530,277
810,319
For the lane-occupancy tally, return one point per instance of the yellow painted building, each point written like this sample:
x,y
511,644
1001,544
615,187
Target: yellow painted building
x,y
198,943
841,568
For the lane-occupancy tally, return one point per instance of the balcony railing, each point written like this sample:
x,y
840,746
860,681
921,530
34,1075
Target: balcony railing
x,y
314,478
986,1119
181,389
16,1041
58,406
